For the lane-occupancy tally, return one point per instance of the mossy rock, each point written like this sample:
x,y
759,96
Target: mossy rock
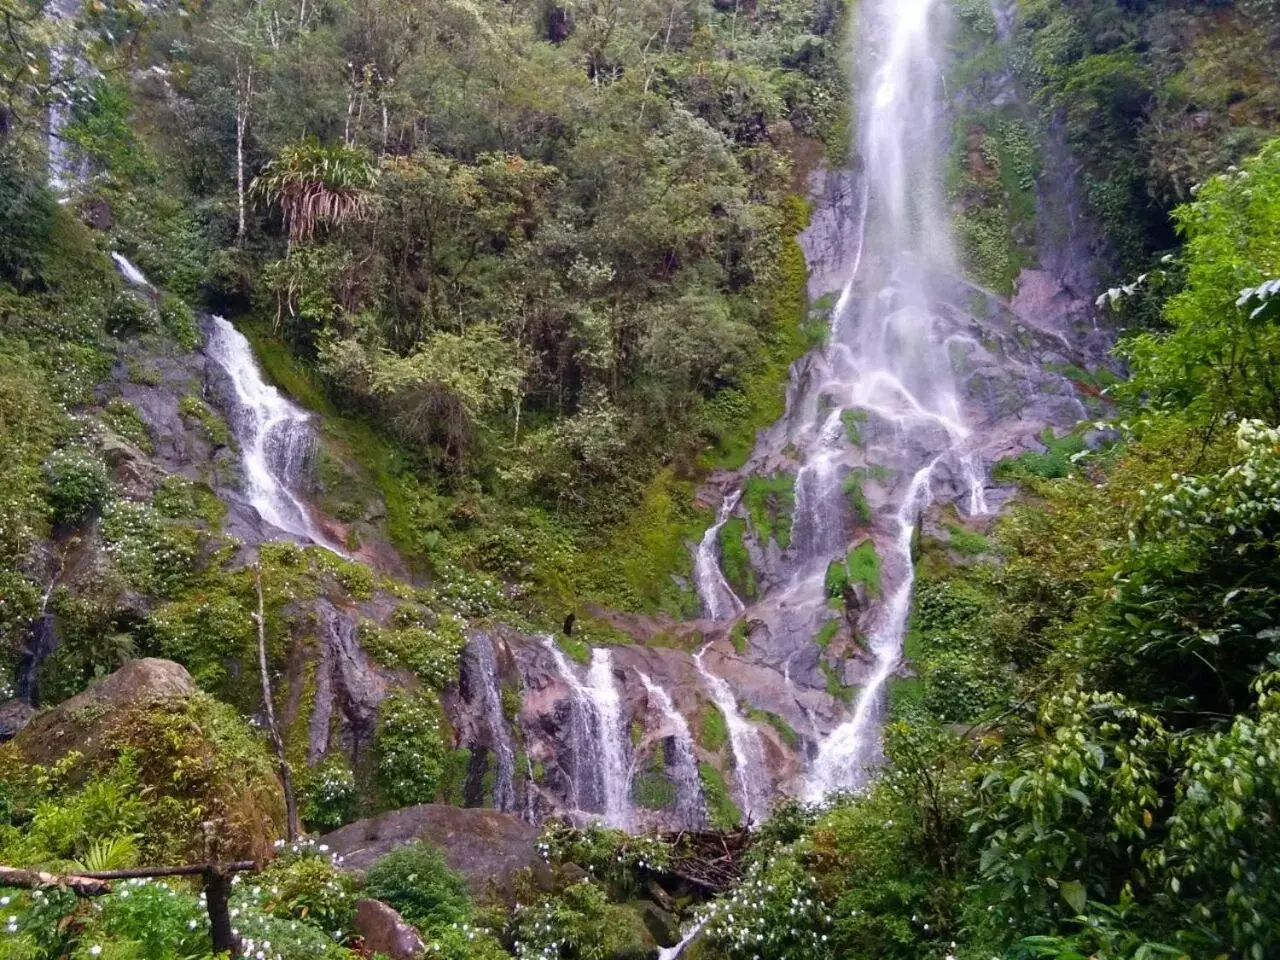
x,y
197,761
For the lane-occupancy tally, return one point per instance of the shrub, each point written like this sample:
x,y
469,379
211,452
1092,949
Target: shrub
x,y
129,314
410,750
78,485
329,796
416,880
179,322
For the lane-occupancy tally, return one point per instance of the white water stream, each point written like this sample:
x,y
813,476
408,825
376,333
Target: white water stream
x,y
483,672
888,361
754,783
691,810
599,745
276,437
719,602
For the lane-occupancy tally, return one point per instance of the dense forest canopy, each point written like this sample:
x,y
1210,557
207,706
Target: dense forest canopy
x,y
533,267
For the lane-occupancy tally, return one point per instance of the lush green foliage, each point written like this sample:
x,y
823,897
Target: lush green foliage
x,y
416,881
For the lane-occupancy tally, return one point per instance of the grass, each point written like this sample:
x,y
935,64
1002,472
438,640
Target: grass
x,y
738,637
864,566
713,732
966,542
735,562
1053,464
771,503
827,634
722,812
785,730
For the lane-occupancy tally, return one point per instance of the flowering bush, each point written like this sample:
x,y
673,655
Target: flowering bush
x,y
410,750
329,795
776,914
78,486
305,883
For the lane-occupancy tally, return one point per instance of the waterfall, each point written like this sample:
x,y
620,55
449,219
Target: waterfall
x,y
598,740
893,359
130,272
276,438
482,673
719,602
754,785
691,809
672,953
62,171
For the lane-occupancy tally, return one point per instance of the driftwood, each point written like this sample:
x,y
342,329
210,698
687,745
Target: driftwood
x,y
711,860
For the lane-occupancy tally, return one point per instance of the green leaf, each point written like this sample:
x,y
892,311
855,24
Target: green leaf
x,y
1073,892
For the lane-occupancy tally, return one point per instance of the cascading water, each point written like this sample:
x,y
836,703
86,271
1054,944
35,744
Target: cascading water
x,y
616,768
880,398
889,356
482,671
601,780
62,170
276,437
750,771
691,808
719,602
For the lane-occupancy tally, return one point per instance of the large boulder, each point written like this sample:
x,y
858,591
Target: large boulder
x,y
485,846
385,932
83,723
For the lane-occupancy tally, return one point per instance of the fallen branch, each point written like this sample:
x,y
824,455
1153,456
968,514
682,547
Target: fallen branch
x,y
81,886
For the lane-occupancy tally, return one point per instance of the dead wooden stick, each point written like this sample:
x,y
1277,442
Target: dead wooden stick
x,y
286,778
35,879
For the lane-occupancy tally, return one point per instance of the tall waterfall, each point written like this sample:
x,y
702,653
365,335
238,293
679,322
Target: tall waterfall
x,y
599,743
886,368
276,437
888,355
682,767
750,771
482,671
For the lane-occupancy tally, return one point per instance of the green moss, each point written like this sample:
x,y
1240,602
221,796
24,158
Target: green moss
x,y
827,634
835,686
653,790
770,503
574,648
214,427
836,579
735,563
738,636
785,730
788,337
713,732
124,420
864,566
853,420
722,812
858,503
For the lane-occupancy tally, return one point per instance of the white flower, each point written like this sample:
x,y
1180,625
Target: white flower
x,y
95,950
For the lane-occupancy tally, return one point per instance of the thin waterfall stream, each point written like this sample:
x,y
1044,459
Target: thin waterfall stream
x,y
276,437
691,809
752,775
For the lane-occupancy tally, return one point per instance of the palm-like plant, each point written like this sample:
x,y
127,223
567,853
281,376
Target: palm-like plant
x,y
315,185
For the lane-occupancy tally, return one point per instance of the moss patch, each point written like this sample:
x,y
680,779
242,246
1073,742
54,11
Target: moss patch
x,y
722,812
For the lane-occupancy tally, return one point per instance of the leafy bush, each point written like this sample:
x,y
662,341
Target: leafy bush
x,y
78,485
129,314
410,750
123,418
416,880
329,796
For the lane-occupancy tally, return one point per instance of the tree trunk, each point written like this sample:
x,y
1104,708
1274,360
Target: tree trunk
x,y
244,92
